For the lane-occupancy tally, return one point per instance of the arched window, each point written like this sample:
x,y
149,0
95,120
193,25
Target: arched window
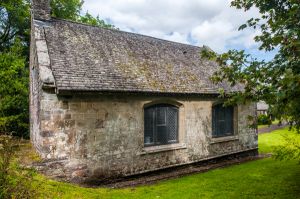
x,y
161,124
222,120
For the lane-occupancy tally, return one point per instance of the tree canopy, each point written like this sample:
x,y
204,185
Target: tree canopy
x,y
14,91
277,82
66,9
14,22
71,9
14,57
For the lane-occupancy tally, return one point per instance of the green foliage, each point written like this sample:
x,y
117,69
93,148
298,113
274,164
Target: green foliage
x,y
264,119
89,19
15,181
71,9
277,82
283,143
13,91
14,51
14,22
290,149
66,9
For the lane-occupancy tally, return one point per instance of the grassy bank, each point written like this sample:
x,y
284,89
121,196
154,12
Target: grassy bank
x,y
266,178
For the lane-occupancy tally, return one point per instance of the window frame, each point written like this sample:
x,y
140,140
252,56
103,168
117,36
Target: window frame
x,y
215,132
155,124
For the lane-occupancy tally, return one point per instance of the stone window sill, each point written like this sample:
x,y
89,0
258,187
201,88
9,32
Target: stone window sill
x,y
162,148
224,139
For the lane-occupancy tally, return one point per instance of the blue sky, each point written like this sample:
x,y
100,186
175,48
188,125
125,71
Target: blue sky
x,y
198,22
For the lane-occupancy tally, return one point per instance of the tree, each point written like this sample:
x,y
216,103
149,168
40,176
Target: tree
x,y
14,51
277,82
71,9
95,21
66,9
14,22
14,91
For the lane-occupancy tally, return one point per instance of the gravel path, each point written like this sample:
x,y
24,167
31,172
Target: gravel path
x,y
270,128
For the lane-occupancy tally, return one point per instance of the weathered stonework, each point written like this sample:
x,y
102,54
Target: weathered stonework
x,y
87,113
102,136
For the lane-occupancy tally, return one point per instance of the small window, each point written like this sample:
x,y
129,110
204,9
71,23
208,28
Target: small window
x,y
222,121
161,125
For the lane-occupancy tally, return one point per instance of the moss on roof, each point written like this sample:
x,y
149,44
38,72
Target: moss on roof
x,y
88,58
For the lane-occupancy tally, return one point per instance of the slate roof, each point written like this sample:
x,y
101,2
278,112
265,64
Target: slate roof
x,y
87,58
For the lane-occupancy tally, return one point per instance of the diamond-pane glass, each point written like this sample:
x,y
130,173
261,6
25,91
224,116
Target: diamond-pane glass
x,y
172,115
161,124
222,120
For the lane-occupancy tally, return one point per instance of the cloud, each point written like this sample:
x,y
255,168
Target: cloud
x,y
221,31
213,23
173,36
214,34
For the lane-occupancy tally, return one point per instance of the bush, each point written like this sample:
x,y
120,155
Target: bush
x,y
290,149
14,114
264,119
15,181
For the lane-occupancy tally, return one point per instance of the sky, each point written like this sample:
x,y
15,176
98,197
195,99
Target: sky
x,y
197,22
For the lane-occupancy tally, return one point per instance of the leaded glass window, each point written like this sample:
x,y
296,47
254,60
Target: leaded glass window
x,y
222,120
161,124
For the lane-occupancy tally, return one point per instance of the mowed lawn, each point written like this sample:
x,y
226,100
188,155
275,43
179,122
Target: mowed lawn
x,y
265,178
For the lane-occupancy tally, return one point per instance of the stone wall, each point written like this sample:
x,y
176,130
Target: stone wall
x,y
102,135
35,89
41,79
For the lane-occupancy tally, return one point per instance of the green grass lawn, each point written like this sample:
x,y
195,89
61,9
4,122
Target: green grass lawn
x,y
275,122
265,178
268,141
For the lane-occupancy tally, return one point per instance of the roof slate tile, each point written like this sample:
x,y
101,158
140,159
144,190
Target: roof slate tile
x,y
88,58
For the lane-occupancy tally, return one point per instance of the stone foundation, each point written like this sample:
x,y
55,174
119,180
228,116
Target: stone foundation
x,y
57,170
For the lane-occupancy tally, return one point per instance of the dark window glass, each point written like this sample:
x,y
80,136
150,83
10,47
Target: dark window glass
x,y
161,124
222,120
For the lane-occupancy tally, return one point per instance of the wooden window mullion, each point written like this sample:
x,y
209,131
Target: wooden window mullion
x,y
161,125
222,124
155,126
167,125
